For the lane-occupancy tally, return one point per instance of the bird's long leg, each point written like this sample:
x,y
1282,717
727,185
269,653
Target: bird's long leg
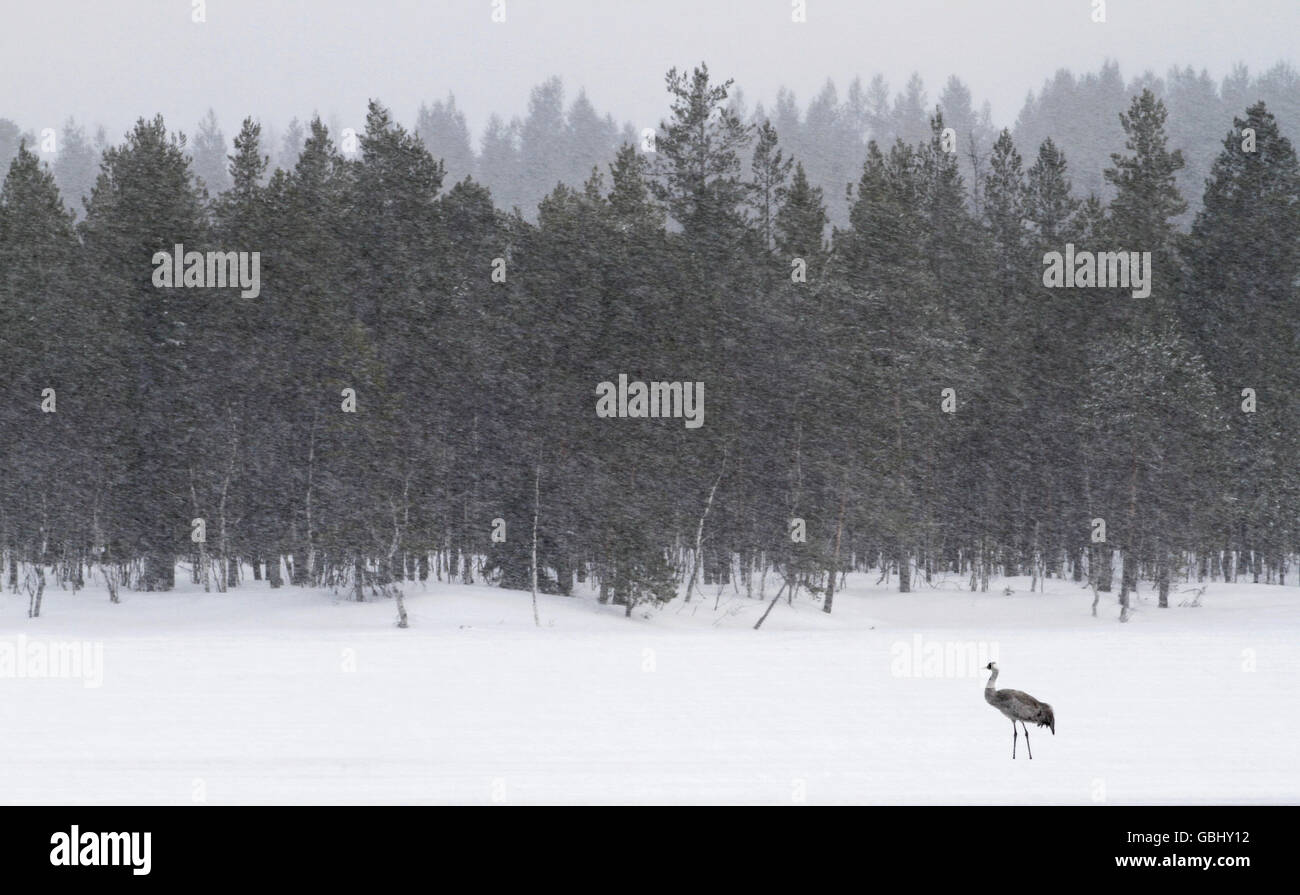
x,y
1031,751
1014,735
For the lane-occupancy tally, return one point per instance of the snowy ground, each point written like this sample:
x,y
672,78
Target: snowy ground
x,y
287,696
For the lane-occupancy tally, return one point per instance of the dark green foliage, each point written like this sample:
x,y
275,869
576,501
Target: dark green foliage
x,y
905,388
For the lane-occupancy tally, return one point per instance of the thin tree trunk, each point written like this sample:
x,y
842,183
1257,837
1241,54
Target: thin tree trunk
x,y
537,504
758,624
835,562
904,561
1128,582
697,557
1162,578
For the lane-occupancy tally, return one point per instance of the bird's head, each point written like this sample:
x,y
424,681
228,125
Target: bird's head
x,y
992,666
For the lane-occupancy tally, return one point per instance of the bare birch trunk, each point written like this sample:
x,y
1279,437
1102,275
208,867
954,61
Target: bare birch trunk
x,y
697,557
830,580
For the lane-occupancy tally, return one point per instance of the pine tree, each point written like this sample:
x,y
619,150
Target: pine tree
x,y
590,140
543,144
1147,200
76,166
890,259
442,129
769,171
630,199
1243,263
42,380
312,255
291,146
1152,429
498,163
698,172
145,202
1050,203
800,223
1146,372
11,138
210,156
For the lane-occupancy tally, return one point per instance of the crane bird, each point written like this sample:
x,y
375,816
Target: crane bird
x,y
1018,706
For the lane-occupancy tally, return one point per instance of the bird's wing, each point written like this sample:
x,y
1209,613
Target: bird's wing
x,y
1028,704
1027,708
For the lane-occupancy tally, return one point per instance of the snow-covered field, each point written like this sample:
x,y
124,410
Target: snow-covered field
x,y
292,696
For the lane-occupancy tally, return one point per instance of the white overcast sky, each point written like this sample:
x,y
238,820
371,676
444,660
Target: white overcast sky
x,y
111,62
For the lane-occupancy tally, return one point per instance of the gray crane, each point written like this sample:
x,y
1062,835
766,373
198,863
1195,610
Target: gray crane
x,y
1018,706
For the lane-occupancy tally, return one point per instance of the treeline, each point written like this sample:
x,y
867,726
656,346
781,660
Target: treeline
x,y
560,137
413,392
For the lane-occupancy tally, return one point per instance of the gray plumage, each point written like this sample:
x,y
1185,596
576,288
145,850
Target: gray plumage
x,y
1018,705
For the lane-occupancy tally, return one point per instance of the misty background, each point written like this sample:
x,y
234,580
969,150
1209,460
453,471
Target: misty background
x,y
563,84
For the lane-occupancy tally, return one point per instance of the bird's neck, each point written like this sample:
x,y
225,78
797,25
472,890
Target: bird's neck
x,y
988,688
